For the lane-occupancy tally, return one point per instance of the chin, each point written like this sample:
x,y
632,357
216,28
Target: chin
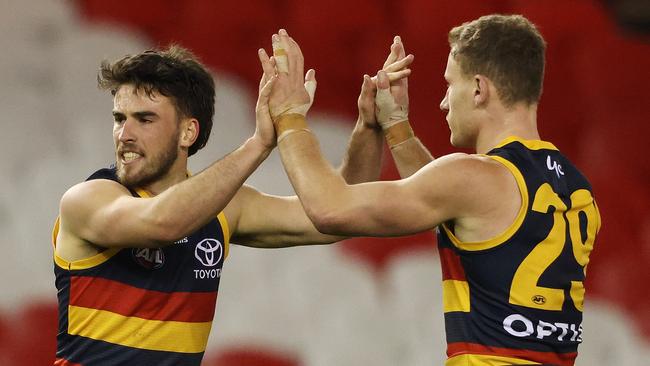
x,y
454,140
129,178
460,142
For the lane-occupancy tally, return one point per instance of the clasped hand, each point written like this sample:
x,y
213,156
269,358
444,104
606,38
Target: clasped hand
x,y
285,89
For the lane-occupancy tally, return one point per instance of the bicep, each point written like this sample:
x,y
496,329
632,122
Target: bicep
x,y
392,208
436,193
104,213
264,220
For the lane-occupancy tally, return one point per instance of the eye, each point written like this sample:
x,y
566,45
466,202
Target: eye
x,y
118,119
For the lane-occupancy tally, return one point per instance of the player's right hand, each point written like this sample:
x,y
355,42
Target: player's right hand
x,y
293,91
396,68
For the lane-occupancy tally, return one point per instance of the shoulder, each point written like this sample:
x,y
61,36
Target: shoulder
x,y
468,167
86,194
464,180
80,206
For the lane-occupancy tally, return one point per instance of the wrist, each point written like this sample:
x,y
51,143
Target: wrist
x,y
372,125
257,145
289,123
398,133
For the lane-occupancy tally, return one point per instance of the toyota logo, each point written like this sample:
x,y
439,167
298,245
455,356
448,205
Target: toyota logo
x,y
208,252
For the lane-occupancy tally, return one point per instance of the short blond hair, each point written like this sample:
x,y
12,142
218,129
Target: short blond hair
x,y
508,49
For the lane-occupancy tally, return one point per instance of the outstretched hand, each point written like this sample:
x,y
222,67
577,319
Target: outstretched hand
x,y
389,111
293,91
397,71
264,129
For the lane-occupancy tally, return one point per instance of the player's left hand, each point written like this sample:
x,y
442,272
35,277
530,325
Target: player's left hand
x,y
392,99
397,69
264,129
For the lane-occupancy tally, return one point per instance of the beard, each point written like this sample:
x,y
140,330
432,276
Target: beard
x,y
155,166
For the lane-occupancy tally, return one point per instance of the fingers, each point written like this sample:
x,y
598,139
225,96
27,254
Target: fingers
x,y
310,83
311,75
293,52
280,54
266,62
395,76
400,47
368,87
382,80
401,64
394,52
268,66
265,92
398,75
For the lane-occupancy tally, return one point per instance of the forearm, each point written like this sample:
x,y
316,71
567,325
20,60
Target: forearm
x,y
287,240
408,152
259,225
363,158
410,156
316,183
187,206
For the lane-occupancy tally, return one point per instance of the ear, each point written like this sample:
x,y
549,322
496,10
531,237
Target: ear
x,y
481,90
189,132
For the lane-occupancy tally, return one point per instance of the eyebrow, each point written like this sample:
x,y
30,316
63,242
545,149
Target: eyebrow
x,y
138,115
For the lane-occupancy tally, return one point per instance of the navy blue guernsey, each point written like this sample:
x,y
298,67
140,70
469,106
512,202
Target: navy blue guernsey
x,y
517,299
140,306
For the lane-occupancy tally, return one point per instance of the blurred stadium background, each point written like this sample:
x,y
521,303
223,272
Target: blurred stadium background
x,y
364,301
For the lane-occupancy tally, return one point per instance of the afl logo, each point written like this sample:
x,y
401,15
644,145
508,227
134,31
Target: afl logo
x,y
209,252
539,299
149,258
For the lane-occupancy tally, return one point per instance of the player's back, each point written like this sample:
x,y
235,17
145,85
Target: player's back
x,y
518,298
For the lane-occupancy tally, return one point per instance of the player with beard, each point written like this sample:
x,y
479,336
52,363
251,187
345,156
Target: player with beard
x,y
139,247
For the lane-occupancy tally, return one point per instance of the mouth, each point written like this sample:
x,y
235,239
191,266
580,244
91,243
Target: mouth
x,y
129,157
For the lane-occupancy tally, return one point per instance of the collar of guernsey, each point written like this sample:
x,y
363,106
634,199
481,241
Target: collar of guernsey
x,y
530,144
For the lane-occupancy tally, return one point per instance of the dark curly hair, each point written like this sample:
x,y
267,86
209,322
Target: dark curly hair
x,y
508,49
173,72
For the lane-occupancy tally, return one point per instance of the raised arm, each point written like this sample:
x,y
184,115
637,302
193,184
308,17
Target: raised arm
x,y
440,191
378,208
268,221
261,220
104,213
362,161
392,104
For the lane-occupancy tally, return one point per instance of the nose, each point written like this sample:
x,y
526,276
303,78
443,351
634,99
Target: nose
x,y
444,104
125,130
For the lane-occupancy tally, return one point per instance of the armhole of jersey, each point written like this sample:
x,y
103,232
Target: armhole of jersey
x,y
142,193
221,217
85,263
599,218
55,232
508,232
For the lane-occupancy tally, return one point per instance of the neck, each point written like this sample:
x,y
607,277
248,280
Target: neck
x,y
519,120
176,174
